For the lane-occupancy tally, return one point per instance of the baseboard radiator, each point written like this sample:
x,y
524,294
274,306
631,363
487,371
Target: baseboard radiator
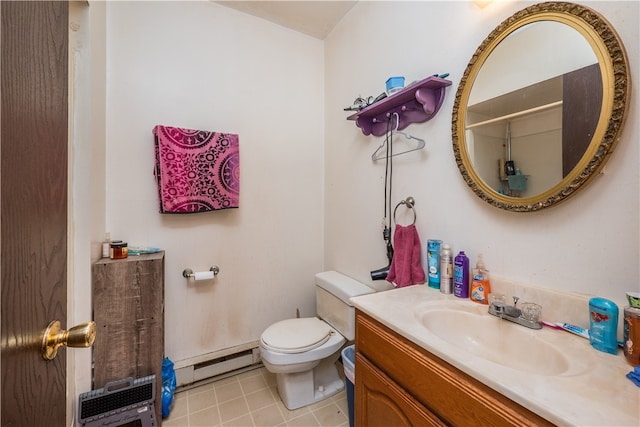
x,y
217,364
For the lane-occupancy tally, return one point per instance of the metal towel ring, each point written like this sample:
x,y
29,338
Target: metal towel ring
x,y
409,202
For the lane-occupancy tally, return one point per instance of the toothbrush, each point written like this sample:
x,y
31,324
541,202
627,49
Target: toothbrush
x,y
581,332
551,325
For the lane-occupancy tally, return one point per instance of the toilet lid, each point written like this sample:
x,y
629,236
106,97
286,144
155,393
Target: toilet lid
x,y
296,335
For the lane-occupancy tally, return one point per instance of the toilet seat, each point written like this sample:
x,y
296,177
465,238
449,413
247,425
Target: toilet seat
x,y
296,335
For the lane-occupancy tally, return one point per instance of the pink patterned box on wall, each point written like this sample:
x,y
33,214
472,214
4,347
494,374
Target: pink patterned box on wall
x,y
196,170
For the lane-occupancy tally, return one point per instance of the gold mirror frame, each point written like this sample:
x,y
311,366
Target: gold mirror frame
x,y
614,67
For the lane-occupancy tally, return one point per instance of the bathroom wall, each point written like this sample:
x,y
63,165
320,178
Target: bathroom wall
x,y
561,48
200,65
86,210
588,244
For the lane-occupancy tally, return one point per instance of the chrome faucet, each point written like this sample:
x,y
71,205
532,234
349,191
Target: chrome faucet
x,y
512,314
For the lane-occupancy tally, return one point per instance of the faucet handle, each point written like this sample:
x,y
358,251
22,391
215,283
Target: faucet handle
x,y
515,300
497,308
499,298
531,311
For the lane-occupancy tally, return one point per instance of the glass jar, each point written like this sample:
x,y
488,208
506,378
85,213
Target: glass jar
x,y
118,250
631,328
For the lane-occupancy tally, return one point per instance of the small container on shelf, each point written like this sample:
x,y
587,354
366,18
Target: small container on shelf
x,y
118,250
394,84
106,245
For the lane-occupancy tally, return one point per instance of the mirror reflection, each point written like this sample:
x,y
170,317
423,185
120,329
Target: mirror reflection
x,y
533,109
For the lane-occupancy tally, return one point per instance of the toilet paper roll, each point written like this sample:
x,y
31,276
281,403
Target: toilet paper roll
x,y
203,275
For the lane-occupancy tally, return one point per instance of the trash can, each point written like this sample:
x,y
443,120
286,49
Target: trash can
x,y
349,363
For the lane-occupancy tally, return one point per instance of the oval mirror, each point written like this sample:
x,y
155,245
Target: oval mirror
x,y
540,106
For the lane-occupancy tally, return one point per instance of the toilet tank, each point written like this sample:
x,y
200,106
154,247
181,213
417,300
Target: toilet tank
x,y
333,291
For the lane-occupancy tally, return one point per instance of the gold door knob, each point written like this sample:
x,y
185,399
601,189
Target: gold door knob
x,y
54,337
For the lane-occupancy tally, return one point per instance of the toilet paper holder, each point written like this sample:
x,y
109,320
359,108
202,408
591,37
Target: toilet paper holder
x,y
188,273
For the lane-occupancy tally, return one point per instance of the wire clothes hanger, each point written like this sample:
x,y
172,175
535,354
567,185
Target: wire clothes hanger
x,y
381,153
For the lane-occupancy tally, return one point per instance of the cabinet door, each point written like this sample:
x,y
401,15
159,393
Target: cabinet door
x,y
380,402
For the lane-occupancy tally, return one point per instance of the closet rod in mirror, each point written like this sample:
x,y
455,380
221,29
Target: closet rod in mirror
x,y
518,114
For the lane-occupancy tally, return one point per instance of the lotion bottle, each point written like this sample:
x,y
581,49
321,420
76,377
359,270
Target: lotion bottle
x,y
433,260
106,245
481,287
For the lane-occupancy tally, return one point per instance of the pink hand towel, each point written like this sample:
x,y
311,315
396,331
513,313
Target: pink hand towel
x,y
406,268
196,170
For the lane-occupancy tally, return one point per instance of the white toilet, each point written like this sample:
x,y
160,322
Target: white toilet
x,y
302,352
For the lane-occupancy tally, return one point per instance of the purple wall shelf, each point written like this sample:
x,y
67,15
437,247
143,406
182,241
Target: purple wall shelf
x,y
416,103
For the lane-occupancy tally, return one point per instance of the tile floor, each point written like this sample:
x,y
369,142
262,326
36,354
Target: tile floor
x,y
251,399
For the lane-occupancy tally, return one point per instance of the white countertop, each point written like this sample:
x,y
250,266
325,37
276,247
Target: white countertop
x,y
594,391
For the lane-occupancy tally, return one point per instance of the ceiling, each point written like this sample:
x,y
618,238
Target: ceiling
x,y
311,17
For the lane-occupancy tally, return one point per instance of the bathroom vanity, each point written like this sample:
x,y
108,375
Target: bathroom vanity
x,y
400,383
425,358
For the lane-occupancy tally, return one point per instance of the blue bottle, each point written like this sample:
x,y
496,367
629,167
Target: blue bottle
x,y
603,330
461,275
433,262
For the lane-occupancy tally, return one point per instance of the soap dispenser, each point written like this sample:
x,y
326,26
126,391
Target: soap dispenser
x,y
481,287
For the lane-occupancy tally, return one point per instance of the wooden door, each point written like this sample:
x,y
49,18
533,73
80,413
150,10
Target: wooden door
x,y
581,103
33,207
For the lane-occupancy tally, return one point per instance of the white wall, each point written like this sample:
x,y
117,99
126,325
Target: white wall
x,y
86,208
200,65
588,244
546,50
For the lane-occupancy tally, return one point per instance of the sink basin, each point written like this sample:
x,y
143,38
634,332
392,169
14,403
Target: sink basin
x,y
472,330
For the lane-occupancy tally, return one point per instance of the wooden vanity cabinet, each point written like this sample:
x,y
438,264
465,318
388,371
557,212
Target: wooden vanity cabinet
x,y
128,308
398,383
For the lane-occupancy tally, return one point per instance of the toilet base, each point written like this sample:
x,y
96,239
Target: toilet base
x,y
304,388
